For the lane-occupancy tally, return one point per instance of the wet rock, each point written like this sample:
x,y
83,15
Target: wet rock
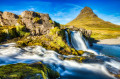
x,y
61,57
112,70
115,72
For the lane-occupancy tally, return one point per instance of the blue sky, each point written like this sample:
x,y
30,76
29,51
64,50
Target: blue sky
x,y
63,11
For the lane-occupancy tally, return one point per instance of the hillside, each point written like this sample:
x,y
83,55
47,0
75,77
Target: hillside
x,y
101,29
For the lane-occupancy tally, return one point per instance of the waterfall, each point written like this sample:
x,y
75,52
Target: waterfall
x,y
67,38
77,41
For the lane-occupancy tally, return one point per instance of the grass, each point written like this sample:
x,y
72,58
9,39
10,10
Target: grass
x,y
100,29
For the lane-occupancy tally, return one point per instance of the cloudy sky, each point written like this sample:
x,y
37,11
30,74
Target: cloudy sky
x,y
63,11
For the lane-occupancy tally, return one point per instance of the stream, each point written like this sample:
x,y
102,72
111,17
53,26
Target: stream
x,y
68,69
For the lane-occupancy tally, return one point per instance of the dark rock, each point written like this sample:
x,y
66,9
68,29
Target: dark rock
x,y
1,13
113,70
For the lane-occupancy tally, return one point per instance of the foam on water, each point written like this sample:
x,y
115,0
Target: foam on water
x,y
77,41
67,69
80,43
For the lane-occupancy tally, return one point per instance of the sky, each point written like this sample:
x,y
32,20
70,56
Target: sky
x,y
64,11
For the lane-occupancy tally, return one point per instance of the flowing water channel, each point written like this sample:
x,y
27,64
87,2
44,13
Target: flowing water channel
x,y
68,69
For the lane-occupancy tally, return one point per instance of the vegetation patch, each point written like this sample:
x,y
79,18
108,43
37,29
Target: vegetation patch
x,y
36,19
29,71
77,59
55,40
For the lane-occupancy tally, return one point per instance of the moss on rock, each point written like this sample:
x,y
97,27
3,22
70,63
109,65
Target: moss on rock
x,y
77,59
31,71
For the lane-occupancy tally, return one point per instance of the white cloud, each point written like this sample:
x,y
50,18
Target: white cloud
x,y
111,18
31,9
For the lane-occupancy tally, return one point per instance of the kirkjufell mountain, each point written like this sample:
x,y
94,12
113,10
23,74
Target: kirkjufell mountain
x,y
88,18
100,29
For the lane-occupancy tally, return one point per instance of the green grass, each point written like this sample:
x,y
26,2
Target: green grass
x,y
100,29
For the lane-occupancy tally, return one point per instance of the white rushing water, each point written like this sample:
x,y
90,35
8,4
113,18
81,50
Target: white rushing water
x,y
80,43
9,54
67,38
77,41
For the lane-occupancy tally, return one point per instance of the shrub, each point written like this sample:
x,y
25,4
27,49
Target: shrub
x,y
56,24
20,31
54,31
36,19
51,21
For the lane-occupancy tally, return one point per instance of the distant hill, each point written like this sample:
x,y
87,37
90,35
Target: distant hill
x,y
101,29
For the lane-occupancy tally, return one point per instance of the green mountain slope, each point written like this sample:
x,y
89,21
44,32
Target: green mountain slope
x,y
101,29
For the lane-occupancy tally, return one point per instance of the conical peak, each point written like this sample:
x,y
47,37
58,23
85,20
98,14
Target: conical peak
x,y
86,12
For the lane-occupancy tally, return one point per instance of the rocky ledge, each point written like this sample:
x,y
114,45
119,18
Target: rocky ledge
x,y
36,23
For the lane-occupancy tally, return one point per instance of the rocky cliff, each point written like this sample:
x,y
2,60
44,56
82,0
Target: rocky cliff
x,y
36,23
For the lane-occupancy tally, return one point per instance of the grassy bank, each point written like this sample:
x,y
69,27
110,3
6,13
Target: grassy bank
x,y
55,40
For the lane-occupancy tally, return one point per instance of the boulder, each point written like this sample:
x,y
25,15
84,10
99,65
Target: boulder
x,y
8,19
37,23
28,14
9,16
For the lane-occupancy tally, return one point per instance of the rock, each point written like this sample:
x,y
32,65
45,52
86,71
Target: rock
x,y
9,16
113,70
37,23
28,14
1,13
86,33
8,19
61,57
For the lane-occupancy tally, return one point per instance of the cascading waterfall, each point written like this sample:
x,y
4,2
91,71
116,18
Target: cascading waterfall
x,y
77,41
67,38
